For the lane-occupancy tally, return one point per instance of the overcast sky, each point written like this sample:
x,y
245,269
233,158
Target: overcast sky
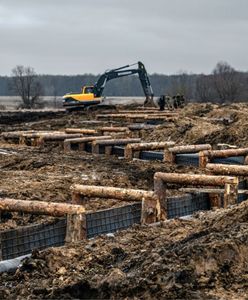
x,y
90,36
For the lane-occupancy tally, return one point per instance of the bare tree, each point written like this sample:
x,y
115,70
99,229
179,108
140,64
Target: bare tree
x,y
26,85
226,81
180,84
204,87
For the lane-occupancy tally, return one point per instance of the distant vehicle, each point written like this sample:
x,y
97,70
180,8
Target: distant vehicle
x,y
92,95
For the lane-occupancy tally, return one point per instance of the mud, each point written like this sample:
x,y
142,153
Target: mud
x,y
201,258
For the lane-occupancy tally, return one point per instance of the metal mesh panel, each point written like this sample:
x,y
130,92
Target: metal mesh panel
x,y
236,160
187,204
242,186
22,241
117,150
112,220
152,155
191,159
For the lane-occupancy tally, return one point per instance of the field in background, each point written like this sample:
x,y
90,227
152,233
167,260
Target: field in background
x,y
10,102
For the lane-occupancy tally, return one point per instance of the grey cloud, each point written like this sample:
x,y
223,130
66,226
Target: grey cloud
x,y
77,36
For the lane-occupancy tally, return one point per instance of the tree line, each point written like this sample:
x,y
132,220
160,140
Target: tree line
x,y
224,84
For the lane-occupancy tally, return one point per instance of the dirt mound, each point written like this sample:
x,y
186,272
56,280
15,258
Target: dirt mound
x,y
202,258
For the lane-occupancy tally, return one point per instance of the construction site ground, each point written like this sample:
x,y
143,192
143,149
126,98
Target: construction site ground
x,y
203,257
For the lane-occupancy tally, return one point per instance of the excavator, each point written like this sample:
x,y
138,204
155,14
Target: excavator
x,y
92,95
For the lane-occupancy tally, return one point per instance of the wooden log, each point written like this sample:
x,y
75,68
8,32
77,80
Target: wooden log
x,y
230,194
112,142
190,148
113,129
80,130
228,153
170,153
76,228
56,137
165,118
131,148
82,141
111,192
223,169
141,111
40,207
195,179
246,160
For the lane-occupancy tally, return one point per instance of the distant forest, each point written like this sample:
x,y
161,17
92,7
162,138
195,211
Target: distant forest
x,y
222,85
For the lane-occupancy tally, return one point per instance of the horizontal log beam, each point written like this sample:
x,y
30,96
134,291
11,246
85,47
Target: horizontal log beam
x,y
112,192
80,130
190,148
195,179
116,141
150,146
225,169
227,153
113,129
40,207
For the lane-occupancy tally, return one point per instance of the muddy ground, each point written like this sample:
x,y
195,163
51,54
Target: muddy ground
x,y
182,259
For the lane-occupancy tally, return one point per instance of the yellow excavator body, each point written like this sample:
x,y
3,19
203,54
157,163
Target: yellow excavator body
x,y
85,98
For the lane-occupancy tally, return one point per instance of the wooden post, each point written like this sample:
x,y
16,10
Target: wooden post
x,y
151,211
76,228
230,194
108,150
215,200
169,156
203,159
160,191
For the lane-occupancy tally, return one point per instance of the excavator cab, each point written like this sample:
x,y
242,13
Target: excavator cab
x,y
88,90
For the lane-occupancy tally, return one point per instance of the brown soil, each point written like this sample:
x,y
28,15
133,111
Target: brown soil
x,y
200,258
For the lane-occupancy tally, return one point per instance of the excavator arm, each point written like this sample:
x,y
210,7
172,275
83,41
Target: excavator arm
x,y
121,72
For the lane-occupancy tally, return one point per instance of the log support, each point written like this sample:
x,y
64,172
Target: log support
x,y
230,183
160,191
81,142
75,228
131,149
151,210
170,153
